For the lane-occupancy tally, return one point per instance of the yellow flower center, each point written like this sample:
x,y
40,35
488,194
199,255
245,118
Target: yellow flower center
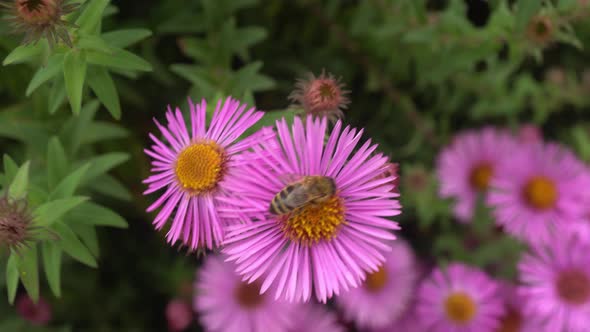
x,y
248,295
480,177
540,192
199,167
315,222
573,286
376,280
460,308
511,322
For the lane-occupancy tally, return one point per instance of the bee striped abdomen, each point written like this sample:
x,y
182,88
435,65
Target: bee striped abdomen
x,y
279,204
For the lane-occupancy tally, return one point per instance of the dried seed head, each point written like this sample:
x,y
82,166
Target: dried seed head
x,y
15,224
323,95
40,18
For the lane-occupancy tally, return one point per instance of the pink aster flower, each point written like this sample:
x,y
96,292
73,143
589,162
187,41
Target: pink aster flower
x,y
179,315
541,189
466,167
326,245
386,294
459,298
194,168
315,318
227,304
514,319
555,282
529,133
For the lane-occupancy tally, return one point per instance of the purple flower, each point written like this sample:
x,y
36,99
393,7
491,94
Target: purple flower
x,y
386,294
555,280
38,314
195,167
179,315
325,246
226,303
459,298
466,167
540,190
315,318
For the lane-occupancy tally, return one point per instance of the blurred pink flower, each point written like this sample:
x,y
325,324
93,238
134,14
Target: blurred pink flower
x,y
530,133
179,315
315,318
38,314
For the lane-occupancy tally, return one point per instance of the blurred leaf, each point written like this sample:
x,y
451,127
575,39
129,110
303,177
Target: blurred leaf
x,y
109,186
45,73
57,94
50,212
18,188
104,163
126,37
91,17
94,43
74,76
95,215
119,59
52,265
525,10
88,236
72,245
57,162
10,170
102,84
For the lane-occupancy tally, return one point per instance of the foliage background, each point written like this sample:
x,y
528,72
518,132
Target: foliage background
x,y
418,71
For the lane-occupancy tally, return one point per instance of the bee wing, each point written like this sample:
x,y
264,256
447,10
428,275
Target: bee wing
x,y
297,197
290,178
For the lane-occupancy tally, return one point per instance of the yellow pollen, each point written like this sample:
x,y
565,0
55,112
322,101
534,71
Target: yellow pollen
x,y
540,193
376,280
315,222
460,308
480,177
199,167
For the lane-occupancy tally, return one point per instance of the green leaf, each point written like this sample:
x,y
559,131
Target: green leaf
x,y
57,94
126,37
109,186
102,84
29,272
50,212
23,53
57,162
88,236
67,187
524,11
72,245
12,276
45,73
52,264
95,215
95,43
10,170
18,188
104,163
120,59
91,17
74,76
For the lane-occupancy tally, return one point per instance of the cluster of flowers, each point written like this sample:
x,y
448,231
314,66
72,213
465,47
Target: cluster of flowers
x,y
538,192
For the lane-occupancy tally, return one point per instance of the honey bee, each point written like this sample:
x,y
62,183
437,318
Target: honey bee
x,y
307,190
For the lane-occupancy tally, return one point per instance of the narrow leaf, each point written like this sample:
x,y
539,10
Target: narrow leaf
x,y
12,276
29,272
23,53
74,76
104,163
18,188
57,94
50,212
96,215
10,170
88,236
524,12
102,84
72,245
95,43
57,162
67,187
91,17
52,264
44,74
126,37
120,59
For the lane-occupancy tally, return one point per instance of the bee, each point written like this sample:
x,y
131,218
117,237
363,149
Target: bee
x,y
307,190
